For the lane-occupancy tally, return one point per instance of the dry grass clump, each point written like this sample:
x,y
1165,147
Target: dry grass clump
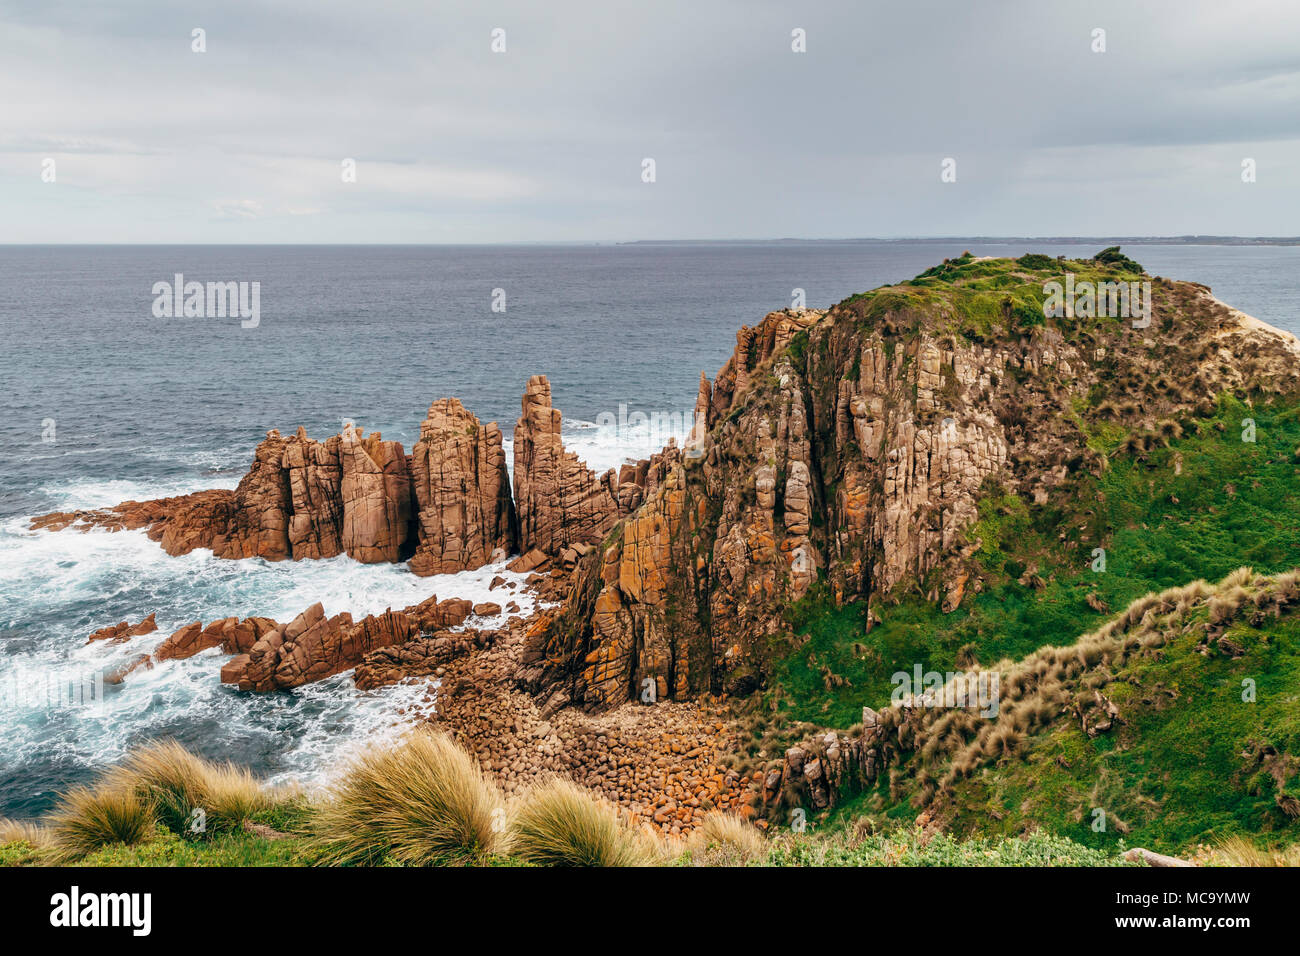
x,y
423,801
560,824
189,794
1238,851
724,839
86,819
21,831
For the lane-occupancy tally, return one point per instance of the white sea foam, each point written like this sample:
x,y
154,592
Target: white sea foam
x,y
602,447
57,587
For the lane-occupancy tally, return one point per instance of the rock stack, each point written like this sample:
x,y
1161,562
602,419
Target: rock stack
x,y
560,501
465,516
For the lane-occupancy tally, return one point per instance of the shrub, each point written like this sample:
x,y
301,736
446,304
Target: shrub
x,y
1113,257
1238,851
1035,260
19,831
178,783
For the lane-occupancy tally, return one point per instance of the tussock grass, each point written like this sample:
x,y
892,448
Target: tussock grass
x,y
1053,681
560,824
21,831
724,839
179,783
1238,851
423,801
87,819
1162,684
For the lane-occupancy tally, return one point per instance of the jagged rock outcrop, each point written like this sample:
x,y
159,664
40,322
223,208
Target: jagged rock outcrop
x,y
314,471
447,507
854,446
560,502
376,492
272,656
232,635
118,674
312,647
123,631
680,601
434,615
465,517
300,499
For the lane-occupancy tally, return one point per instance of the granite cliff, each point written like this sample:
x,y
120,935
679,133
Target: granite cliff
x,y
854,447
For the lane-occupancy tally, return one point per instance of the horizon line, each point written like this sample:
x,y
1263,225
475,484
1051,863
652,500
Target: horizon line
x,y
1184,239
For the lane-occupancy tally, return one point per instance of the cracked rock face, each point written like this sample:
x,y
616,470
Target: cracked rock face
x,y
465,517
376,493
699,578
560,501
315,476
854,446
312,647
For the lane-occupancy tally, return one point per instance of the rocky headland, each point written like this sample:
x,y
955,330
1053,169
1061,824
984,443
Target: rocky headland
x,y
852,462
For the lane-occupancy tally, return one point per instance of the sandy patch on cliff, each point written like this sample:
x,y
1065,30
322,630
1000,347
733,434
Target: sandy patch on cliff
x,y
1249,323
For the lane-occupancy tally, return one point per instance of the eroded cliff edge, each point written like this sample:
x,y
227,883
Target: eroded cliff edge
x,y
853,448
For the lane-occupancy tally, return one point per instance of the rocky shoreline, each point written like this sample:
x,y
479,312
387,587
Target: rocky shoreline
x,y
660,765
849,449
447,507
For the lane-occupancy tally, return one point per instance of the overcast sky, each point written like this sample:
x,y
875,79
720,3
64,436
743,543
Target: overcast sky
x,y
152,142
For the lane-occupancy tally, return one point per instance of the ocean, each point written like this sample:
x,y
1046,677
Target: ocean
x,y
106,402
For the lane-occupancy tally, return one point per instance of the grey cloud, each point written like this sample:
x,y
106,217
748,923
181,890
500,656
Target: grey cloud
x,y
546,141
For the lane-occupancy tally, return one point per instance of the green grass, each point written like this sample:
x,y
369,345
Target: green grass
x,y
980,299
1237,504
1192,761
167,848
820,849
1173,775
914,847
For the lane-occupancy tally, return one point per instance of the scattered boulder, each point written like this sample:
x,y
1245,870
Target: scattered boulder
x,y
124,631
312,647
535,559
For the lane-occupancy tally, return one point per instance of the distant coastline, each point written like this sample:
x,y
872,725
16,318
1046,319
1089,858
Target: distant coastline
x,y
1103,240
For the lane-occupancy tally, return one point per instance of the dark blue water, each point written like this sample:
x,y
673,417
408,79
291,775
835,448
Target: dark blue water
x,y
143,406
